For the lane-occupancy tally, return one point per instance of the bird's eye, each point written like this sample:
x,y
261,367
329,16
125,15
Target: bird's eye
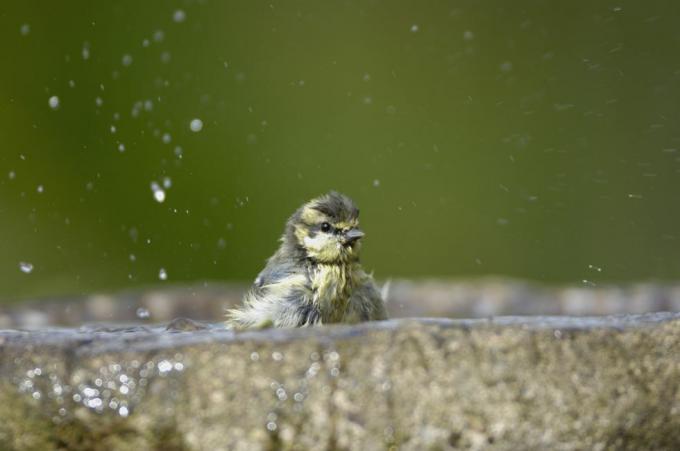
x,y
325,227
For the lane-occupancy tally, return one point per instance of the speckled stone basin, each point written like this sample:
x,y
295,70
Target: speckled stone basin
x,y
506,383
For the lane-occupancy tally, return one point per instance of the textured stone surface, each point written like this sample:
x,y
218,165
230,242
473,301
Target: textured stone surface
x,y
507,383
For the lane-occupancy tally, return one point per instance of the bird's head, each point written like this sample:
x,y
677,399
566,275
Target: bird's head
x,y
326,229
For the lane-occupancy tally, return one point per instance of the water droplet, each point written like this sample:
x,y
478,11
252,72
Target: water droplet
x,y
123,411
179,16
196,125
271,426
163,274
121,147
415,28
376,183
468,35
40,189
142,313
53,102
26,267
25,29
167,182
126,60
158,35
166,138
12,175
85,51
158,192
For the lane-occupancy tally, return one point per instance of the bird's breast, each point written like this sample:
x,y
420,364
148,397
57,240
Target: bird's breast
x,y
332,287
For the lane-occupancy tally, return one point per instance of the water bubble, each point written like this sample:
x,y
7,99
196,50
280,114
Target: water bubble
x,y
179,16
25,267
53,102
196,125
25,29
271,426
163,274
143,313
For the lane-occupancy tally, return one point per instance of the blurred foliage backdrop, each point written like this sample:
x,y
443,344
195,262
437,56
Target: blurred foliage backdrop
x,y
532,138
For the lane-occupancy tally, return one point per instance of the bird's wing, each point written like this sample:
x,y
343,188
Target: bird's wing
x,y
366,303
280,297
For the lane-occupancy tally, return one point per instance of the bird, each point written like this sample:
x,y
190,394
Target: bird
x,y
315,277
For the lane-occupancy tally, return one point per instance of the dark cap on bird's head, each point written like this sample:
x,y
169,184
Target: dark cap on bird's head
x,y
326,229
336,206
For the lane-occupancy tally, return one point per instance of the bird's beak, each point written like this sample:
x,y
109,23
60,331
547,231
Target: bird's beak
x,y
352,235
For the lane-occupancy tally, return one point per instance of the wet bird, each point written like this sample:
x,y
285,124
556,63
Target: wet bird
x,y
315,276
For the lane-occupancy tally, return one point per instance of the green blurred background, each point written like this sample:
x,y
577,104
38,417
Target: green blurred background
x,y
532,139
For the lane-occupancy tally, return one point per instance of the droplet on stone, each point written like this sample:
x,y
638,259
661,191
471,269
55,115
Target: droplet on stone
x,y
143,313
